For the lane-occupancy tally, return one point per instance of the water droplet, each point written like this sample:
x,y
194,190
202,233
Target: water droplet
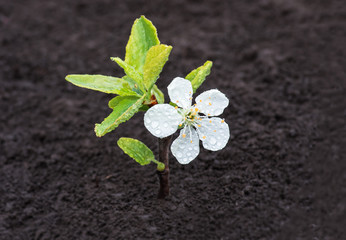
x,y
212,140
154,124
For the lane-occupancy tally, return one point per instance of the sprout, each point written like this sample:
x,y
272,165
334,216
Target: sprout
x,y
137,91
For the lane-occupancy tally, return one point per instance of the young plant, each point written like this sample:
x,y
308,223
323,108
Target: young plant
x,y
136,90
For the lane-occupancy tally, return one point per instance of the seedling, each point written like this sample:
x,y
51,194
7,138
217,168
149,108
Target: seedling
x,y
136,90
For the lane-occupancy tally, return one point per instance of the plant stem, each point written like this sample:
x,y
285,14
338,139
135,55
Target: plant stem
x,y
164,144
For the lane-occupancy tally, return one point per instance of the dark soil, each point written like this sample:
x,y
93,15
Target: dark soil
x,y
282,175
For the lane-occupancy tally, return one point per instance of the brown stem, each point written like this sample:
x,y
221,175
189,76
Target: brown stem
x,y
164,144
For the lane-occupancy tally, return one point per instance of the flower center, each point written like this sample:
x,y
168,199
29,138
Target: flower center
x,y
190,116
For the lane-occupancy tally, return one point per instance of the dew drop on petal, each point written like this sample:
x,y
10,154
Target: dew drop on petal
x,y
212,140
154,124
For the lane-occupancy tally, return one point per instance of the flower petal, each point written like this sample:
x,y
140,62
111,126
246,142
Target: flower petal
x,y
212,102
186,147
162,120
214,133
180,92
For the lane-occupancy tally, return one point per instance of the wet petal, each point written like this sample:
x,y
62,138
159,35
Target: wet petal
x,y
186,147
162,120
212,102
214,133
180,92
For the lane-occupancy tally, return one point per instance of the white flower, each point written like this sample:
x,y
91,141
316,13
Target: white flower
x,y
163,120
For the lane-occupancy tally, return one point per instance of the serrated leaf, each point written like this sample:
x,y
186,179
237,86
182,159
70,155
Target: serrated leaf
x,y
143,37
123,111
106,84
130,71
136,150
114,102
198,75
158,94
156,58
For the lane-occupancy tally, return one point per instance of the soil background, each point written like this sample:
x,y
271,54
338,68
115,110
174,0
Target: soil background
x,y
282,175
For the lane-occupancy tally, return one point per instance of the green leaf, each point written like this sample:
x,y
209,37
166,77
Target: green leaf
x,y
134,86
156,58
158,94
143,37
102,83
198,75
122,112
137,150
114,102
130,71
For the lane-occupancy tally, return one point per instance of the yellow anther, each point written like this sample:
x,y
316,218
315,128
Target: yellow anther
x,y
176,107
204,137
210,104
180,125
190,92
184,135
208,114
177,101
222,121
210,121
200,100
190,98
208,97
191,141
199,125
214,130
196,109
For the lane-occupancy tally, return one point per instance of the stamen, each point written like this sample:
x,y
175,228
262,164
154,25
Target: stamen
x,y
176,107
210,121
214,130
208,114
196,109
177,101
204,137
200,100
199,125
180,125
184,135
222,121
210,104
190,134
